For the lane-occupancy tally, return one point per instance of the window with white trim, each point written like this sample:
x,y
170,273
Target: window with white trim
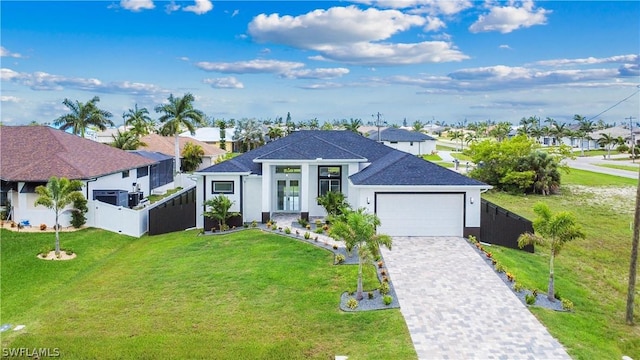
x,y
329,179
222,187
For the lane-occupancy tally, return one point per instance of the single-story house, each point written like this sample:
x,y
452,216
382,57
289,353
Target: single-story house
x,y
413,142
411,196
213,136
166,145
30,155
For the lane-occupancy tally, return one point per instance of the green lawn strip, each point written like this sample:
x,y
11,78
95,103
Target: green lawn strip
x,y
445,147
620,167
590,178
460,156
591,272
432,157
242,295
155,198
445,164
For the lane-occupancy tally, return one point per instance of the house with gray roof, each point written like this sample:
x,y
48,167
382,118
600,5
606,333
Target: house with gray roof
x,y
411,196
30,155
413,142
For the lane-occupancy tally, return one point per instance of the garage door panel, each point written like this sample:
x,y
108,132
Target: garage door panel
x,y
420,214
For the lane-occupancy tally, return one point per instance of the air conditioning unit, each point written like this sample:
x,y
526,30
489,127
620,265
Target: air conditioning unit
x,y
113,197
135,198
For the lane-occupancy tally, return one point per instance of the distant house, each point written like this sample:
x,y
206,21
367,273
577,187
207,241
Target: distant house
x,y
413,142
30,155
166,145
411,196
212,136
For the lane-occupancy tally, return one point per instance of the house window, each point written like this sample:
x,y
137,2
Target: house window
x,y
222,187
142,171
125,174
329,179
287,170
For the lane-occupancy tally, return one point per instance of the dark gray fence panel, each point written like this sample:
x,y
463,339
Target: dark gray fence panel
x,y
501,227
176,214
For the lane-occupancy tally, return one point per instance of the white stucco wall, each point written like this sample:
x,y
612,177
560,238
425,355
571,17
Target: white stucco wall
x,y
252,198
415,148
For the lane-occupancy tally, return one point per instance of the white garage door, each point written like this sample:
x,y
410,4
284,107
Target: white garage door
x,y
420,214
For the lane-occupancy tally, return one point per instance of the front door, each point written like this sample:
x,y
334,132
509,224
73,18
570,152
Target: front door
x,y
288,195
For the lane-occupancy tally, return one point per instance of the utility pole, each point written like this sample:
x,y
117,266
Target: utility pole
x,y
378,123
633,141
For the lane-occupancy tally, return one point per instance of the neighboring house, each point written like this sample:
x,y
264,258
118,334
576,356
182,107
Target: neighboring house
x,y
408,141
211,135
106,136
411,196
620,131
166,145
30,155
161,176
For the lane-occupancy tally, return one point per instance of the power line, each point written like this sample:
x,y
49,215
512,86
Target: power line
x,y
616,104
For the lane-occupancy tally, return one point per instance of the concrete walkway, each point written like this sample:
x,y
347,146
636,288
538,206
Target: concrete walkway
x,y
456,307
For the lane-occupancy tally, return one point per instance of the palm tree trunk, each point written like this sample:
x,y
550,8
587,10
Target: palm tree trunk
x,y
582,145
177,154
359,295
551,291
633,267
57,246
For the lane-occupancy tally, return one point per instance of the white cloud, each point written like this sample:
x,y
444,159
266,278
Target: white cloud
x,y
434,24
434,7
11,99
137,5
235,13
251,66
224,83
320,73
171,7
200,7
504,46
506,19
6,53
43,81
631,59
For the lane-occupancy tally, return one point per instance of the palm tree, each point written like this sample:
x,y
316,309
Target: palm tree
x,y
220,206
314,124
191,156
56,195
500,131
82,116
222,125
176,114
353,125
546,177
334,203
457,135
358,230
558,131
586,127
248,132
139,120
607,141
275,132
418,126
126,140
554,229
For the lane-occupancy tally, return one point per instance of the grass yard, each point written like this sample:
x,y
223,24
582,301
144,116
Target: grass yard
x,y
620,167
593,273
243,295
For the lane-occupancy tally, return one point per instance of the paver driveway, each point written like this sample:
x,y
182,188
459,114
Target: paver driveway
x,y
456,306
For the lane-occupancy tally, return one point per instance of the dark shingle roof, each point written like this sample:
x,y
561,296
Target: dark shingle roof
x,y
400,168
153,155
394,134
35,153
388,166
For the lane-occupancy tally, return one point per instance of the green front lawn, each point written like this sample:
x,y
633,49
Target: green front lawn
x,y
244,295
592,272
633,168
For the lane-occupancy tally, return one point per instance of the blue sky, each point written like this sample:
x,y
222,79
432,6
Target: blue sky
x,y
406,59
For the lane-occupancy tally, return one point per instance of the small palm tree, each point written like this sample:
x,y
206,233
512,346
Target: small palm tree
x,y
82,116
126,140
554,229
607,141
457,135
191,157
176,114
219,210
418,126
353,125
358,230
139,120
57,195
334,203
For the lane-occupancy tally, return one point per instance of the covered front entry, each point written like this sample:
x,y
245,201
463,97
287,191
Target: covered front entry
x,y
287,194
420,214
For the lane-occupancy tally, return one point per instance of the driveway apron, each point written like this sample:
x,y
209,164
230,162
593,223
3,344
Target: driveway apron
x,y
456,306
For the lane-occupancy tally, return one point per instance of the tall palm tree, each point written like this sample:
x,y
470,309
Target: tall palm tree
x,y
56,195
558,131
457,135
248,132
418,126
82,116
275,132
586,126
139,120
358,230
176,114
353,125
554,229
500,131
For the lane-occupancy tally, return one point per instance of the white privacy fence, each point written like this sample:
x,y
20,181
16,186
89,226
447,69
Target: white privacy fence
x,y
122,220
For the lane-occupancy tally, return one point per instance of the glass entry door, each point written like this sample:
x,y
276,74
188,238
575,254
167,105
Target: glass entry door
x,y
288,195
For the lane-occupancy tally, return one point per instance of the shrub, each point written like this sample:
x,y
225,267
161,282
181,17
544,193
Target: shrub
x,y
303,222
384,288
557,296
530,299
274,227
352,303
245,225
315,239
308,227
510,277
43,227
325,227
45,251
535,292
68,252
287,230
518,287
488,254
339,258
567,304
370,295
385,279
387,300
499,268
307,235
269,224
473,239
623,148
383,273
319,231
335,247
254,224
380,264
